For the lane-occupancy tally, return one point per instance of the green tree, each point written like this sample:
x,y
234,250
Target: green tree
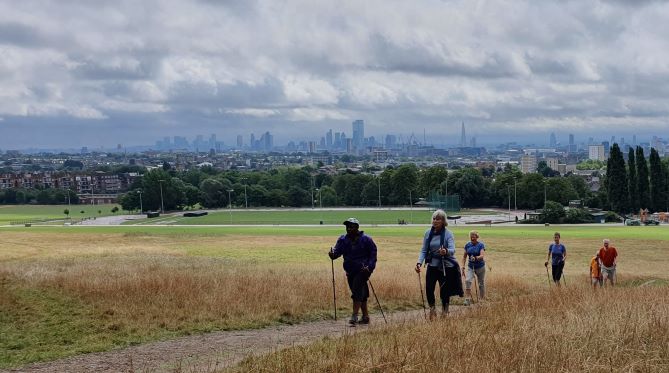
x,y
658,186
530,191
403,181
643,189
430,179
545,171
298,197
469,183
633,183
553,212
616,184
560,190
214,193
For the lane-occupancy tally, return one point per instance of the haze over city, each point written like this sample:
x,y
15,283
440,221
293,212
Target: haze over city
x,y
76,74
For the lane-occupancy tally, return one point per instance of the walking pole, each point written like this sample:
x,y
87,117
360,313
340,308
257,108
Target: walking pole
x,y
422,297
377,300
476,284
334,291
564,278
548,276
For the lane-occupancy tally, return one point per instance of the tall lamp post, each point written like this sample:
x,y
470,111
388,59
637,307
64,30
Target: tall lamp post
x,y
162,205
379,180
544,193
141,207
312,192
230,202
246,200
411,206
508,193
69,207
515,199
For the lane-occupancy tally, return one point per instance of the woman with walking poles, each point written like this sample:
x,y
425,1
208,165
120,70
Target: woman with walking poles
x,y
475,252
438,253
359,251
557,254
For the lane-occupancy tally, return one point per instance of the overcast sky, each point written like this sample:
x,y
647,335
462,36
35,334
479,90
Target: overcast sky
x,y
97,73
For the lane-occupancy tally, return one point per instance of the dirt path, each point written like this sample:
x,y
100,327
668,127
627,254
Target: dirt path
x,y
213,351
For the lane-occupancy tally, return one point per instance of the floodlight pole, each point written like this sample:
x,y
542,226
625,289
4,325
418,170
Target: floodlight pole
x,y
162,204
230,202
141,208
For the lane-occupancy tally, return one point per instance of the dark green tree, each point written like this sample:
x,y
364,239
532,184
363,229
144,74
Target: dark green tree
x,y
633,183
643,189
430,179
616,181
553,212
658,187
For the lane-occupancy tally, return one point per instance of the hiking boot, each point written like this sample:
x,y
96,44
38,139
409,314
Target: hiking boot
x,y
353,320
444,311
364,320
467,302
433,313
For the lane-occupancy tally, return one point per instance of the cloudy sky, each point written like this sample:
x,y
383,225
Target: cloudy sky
x,y
97,73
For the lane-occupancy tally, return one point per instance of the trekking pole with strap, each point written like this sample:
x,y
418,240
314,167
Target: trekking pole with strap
x,y
564,278
548,276
422,297
377,300
334,290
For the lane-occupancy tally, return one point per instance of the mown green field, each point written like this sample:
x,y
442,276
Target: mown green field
x,y
294,217
34,213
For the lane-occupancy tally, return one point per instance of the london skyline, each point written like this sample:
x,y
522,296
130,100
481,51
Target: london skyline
x,y
79,74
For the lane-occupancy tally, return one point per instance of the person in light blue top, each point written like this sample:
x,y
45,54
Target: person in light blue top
x,y
438,254
475,253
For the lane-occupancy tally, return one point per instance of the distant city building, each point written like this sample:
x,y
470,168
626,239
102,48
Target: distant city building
x,y
553,140
572,144
328,139
358,133
528,164
552,162
240,141
596,152
463,137
391,141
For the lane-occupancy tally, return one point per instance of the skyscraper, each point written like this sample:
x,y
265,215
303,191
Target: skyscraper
x,y
328,139
572,144
463,138
240,141
553,140
358,133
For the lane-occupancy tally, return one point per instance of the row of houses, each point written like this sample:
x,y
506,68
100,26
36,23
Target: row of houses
x,y
97,182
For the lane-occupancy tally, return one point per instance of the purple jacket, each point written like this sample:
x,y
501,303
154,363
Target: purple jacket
x,y
357,253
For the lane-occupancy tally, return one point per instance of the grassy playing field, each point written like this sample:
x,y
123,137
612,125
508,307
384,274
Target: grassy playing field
x,y
70,290
25,213
302,216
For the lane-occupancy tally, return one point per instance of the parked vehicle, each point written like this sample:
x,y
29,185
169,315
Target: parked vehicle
x,y
633,222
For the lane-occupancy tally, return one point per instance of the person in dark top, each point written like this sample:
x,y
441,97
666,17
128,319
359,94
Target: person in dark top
x,y
557,254
359,252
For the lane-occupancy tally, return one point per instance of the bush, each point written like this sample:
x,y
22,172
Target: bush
x,y
612,217
578,216
553,212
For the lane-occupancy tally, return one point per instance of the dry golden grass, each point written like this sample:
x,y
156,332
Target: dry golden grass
x,y
529,330
134,287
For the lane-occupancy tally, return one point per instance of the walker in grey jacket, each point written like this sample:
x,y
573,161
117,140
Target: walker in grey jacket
x,y
430,250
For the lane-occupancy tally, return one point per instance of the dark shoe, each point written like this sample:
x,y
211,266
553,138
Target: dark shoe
x,y
364,320
353,320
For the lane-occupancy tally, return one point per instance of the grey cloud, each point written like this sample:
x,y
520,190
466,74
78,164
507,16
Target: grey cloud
x,y
21,34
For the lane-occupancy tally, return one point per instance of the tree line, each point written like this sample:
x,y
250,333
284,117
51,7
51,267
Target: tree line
x,y
636,184
305,187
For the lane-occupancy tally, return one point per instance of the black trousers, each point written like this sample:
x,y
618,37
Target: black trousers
x,y
357,282
557,271
433,276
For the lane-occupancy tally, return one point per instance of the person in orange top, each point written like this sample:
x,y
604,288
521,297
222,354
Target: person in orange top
x,y
608,256
595,271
